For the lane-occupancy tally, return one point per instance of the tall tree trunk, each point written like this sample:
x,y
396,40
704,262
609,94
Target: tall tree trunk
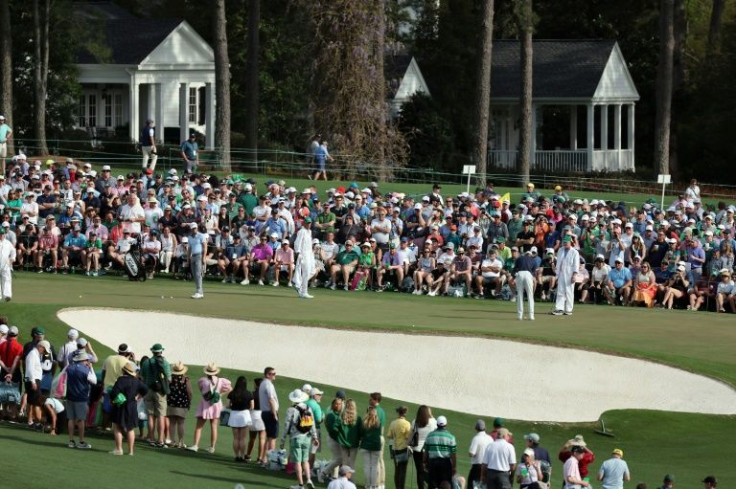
x,y
222,87
251,79
6,68
41,70
380,86
664,86
527,131
678,80
714,31
483,92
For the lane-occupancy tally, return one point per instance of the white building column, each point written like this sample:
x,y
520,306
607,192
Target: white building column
x,y
159,113
151,103
574,127
209,116
590,133
630,127
604,127
135,118
183,112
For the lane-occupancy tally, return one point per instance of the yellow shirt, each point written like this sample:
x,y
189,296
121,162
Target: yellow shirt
x,y
399,431
113,368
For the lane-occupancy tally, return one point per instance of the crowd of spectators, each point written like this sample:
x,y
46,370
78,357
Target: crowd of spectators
x,y
68,389
70,217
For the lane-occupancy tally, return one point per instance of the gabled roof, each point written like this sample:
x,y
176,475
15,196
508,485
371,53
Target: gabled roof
x,y
131,40
563,69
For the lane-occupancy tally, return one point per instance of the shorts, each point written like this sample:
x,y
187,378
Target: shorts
x,y
438,273
176,412
271,424
77,410
155,404
299,448
3,150
34,396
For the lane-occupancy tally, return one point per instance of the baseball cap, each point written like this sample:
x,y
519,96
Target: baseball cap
x,y
532,437
45,344
619,452
13,331
123,348
4,329
480,425
73,334
441,421
345,470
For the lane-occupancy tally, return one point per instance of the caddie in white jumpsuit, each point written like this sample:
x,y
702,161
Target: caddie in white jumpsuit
x,y
305,259
7,257
568,263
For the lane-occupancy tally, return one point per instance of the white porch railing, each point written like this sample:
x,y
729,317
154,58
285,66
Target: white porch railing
x,y
613,160
502,159
561,160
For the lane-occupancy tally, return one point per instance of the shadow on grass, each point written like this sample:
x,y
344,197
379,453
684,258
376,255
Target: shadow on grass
x,y
210,477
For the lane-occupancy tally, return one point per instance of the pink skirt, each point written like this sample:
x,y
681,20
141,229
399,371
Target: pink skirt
x,y
205,410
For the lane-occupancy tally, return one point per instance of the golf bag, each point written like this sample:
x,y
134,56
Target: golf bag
x,y
133,264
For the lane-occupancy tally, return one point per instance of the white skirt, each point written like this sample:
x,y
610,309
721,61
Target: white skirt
x,y
257,425
239,419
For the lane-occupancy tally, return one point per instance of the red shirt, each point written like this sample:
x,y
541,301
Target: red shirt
x,y
9,351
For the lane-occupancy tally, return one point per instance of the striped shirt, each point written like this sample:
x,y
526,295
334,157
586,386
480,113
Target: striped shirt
x,y
440,444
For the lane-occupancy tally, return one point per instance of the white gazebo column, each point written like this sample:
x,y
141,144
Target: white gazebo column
x,y
151,103
617,134
630,127
135,118
159,113
574,127
590,134
604,135
183,111
209,116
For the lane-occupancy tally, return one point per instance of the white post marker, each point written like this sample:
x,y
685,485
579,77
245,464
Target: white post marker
x,y
468,170
664,179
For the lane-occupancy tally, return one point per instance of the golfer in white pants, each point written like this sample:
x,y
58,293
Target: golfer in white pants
x,y
7,257
305,259
568,263
525,268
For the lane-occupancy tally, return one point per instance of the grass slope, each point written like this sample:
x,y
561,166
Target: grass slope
x,y
655,443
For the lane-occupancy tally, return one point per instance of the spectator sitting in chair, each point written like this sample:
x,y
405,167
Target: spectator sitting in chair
x,y
117,253
150,251
726,292
490,275
74,249
232,259
48,246
260,260
284,262
93,249
461,271
618,284
547,274
677,287
345,263
391,264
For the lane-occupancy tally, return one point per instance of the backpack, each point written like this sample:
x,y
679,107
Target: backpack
x,y
306,420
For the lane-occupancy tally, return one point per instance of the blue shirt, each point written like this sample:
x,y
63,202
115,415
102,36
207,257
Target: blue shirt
x,y
320,154
619,277
77,382
78,241
190,149
196,243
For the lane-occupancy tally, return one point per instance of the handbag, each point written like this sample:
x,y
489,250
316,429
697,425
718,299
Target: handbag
x,y
224,417
414,440
9,392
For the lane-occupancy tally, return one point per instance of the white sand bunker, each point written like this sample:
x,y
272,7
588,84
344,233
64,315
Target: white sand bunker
x,y
473,375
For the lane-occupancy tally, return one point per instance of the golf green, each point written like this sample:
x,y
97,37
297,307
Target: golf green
x,y
687,445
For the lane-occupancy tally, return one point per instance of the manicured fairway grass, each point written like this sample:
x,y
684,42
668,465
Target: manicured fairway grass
x,y
688,445
627,194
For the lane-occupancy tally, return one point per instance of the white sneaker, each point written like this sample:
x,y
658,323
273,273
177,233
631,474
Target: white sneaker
x,y
225,280
531,318
345,288
333,286
432,293
306,296
193,448
521,317
245,282
275,284
197,296
260,282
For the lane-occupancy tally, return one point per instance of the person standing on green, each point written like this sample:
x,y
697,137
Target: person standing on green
x,y
370,445
332,423
374,401
5,133
315,397
440,449
156,374
348,433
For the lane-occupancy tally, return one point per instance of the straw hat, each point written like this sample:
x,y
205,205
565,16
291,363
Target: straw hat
x,y
179,368
129,368
211,369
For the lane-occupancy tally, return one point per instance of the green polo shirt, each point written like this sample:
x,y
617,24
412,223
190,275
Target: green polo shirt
x,y
349,436
440,444
345,257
